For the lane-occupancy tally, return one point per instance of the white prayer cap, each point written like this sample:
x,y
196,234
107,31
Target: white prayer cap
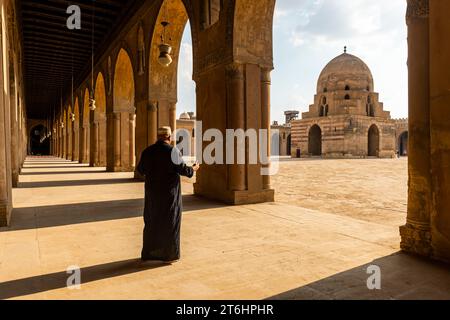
x,y
165,131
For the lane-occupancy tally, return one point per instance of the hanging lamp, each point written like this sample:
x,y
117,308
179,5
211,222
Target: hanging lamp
x,y
165,49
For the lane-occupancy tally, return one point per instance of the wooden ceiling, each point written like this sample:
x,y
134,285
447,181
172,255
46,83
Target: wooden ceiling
x,y
52,52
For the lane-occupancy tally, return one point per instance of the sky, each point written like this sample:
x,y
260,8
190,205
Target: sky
x,y
307,34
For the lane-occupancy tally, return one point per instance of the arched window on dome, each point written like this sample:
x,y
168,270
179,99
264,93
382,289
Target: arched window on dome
x,y
325,90
347,97
347,88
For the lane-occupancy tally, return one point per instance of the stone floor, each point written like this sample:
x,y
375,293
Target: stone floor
x,y
332,219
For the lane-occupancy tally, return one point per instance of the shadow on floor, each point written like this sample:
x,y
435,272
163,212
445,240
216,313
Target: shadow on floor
x,y
62,166
403,277
72,183
58,280
61,172
62,215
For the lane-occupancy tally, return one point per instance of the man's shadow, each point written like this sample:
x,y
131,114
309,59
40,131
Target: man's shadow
x,y
58,280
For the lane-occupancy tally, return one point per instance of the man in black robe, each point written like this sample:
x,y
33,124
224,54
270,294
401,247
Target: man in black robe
x,y
162,165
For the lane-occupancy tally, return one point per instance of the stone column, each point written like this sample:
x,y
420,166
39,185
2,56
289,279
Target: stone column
x,y
265,118
82,151
94,154
102,148
132,140
60,138
74,143
61,142
416,236
173,117
64,142
152,129
116,127
86,137
236,120
15,162
77,143
57,140
69,139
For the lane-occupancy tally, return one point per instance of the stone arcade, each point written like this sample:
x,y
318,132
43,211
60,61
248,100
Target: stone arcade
x,y
232,46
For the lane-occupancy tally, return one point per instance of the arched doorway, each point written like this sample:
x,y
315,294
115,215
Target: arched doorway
x,y
39,142
403,144
373,141
315,141
289,145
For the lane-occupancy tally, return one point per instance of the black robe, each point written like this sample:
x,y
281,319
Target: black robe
x,y
163,201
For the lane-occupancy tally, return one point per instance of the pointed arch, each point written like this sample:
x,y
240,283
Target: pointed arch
x,y
76,111
163,80
100,95
86,111
124,87
98,134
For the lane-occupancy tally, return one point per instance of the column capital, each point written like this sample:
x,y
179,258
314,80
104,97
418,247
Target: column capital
x,y
265,75
152,106
173,106
235,71
417,9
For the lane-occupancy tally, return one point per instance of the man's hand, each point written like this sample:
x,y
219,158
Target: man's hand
x,y
195,167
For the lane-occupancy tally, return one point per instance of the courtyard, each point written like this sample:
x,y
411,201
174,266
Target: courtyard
x,y
332,219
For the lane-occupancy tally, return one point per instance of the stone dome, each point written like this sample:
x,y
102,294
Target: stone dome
x,y
345,72
185,116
